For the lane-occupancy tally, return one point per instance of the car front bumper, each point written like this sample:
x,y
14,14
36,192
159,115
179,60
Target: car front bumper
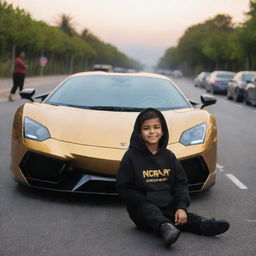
x,y
67,167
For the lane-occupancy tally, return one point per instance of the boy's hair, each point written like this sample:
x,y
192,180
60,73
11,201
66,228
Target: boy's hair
x,y
147,116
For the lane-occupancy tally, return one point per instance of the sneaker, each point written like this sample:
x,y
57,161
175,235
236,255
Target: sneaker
x,y
169,233
212,227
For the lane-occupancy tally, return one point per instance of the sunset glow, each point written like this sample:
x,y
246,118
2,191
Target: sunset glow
x,y
152,24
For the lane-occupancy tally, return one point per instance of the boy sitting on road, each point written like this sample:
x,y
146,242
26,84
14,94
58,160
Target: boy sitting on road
x,y
154,185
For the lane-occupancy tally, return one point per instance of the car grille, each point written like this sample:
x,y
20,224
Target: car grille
x,y
42,168
54,174
49,173
196,171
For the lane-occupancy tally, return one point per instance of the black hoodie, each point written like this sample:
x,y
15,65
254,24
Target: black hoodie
x,y
155,178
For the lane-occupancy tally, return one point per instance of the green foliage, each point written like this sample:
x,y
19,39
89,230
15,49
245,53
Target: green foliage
x,y
215,44
66,50
170,59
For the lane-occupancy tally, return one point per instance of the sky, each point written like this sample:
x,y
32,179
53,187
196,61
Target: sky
x,y
142,29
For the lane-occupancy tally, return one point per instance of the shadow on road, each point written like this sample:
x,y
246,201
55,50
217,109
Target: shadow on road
x,y
88,199
199,196
69,198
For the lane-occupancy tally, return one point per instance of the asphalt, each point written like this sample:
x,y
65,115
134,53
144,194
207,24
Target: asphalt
x,y
30,82
54,224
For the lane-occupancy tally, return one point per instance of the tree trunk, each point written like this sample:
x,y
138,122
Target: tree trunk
x,y
71,64
13,57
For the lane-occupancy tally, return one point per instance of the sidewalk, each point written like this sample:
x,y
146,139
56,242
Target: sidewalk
x,y
6,84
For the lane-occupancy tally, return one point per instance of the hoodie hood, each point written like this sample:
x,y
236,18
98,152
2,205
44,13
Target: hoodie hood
x,y
136,141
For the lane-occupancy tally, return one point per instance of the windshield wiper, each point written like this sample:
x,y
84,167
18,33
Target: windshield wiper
x,y
106,108
117,108
68,105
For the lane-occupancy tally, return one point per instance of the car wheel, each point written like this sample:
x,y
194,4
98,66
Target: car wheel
x,y
228,95
212,90
237,98
246,100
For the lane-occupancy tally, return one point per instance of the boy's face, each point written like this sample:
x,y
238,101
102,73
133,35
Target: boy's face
x,y
151,131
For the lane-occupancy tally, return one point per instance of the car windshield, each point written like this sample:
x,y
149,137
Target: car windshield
x,y
118,93
248,77
225,75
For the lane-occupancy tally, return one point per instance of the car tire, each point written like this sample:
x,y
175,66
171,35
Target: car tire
x,y
237,98
212,91
229,97
246,100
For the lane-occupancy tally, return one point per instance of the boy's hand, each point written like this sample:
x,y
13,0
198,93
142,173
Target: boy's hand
x,y
180,217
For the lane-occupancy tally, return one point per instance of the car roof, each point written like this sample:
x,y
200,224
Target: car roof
x,y
246,72
102,73
222,71
139,74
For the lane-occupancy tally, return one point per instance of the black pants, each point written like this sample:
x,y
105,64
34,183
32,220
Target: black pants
x,y
18,82
149,217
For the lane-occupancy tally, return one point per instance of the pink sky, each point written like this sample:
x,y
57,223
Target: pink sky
x,y
135,26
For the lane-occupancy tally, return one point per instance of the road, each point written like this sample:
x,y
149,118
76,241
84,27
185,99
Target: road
x,y
55,224
34,82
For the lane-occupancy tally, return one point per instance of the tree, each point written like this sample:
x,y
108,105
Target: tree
x,y
65,24
203,46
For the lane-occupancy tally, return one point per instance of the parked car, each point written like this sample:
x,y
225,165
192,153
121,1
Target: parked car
x,y
250,92
200,79
218,81
236,87
74,139
103,67
177,73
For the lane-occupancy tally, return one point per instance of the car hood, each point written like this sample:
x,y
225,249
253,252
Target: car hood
x,y
109,129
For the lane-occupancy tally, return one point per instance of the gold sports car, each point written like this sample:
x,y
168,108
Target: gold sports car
x,y
73,139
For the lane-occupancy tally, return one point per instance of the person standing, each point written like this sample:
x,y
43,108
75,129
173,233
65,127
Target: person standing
x,y
154,185
19,73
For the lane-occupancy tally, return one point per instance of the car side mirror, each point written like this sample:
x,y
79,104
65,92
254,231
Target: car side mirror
x,y
207,100
27,93
42,96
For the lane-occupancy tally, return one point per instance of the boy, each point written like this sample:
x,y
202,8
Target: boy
x,y
154,185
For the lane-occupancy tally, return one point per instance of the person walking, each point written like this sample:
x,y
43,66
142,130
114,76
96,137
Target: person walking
x,y
154,185
19,73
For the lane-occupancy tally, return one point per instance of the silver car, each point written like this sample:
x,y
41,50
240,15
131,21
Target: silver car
x,y
218,81
200,79
236,87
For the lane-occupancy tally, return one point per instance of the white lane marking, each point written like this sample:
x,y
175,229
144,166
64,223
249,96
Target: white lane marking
x,y
251,221
236,181
220,167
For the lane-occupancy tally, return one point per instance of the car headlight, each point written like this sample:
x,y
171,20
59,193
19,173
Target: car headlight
x,y
35,131
194,135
